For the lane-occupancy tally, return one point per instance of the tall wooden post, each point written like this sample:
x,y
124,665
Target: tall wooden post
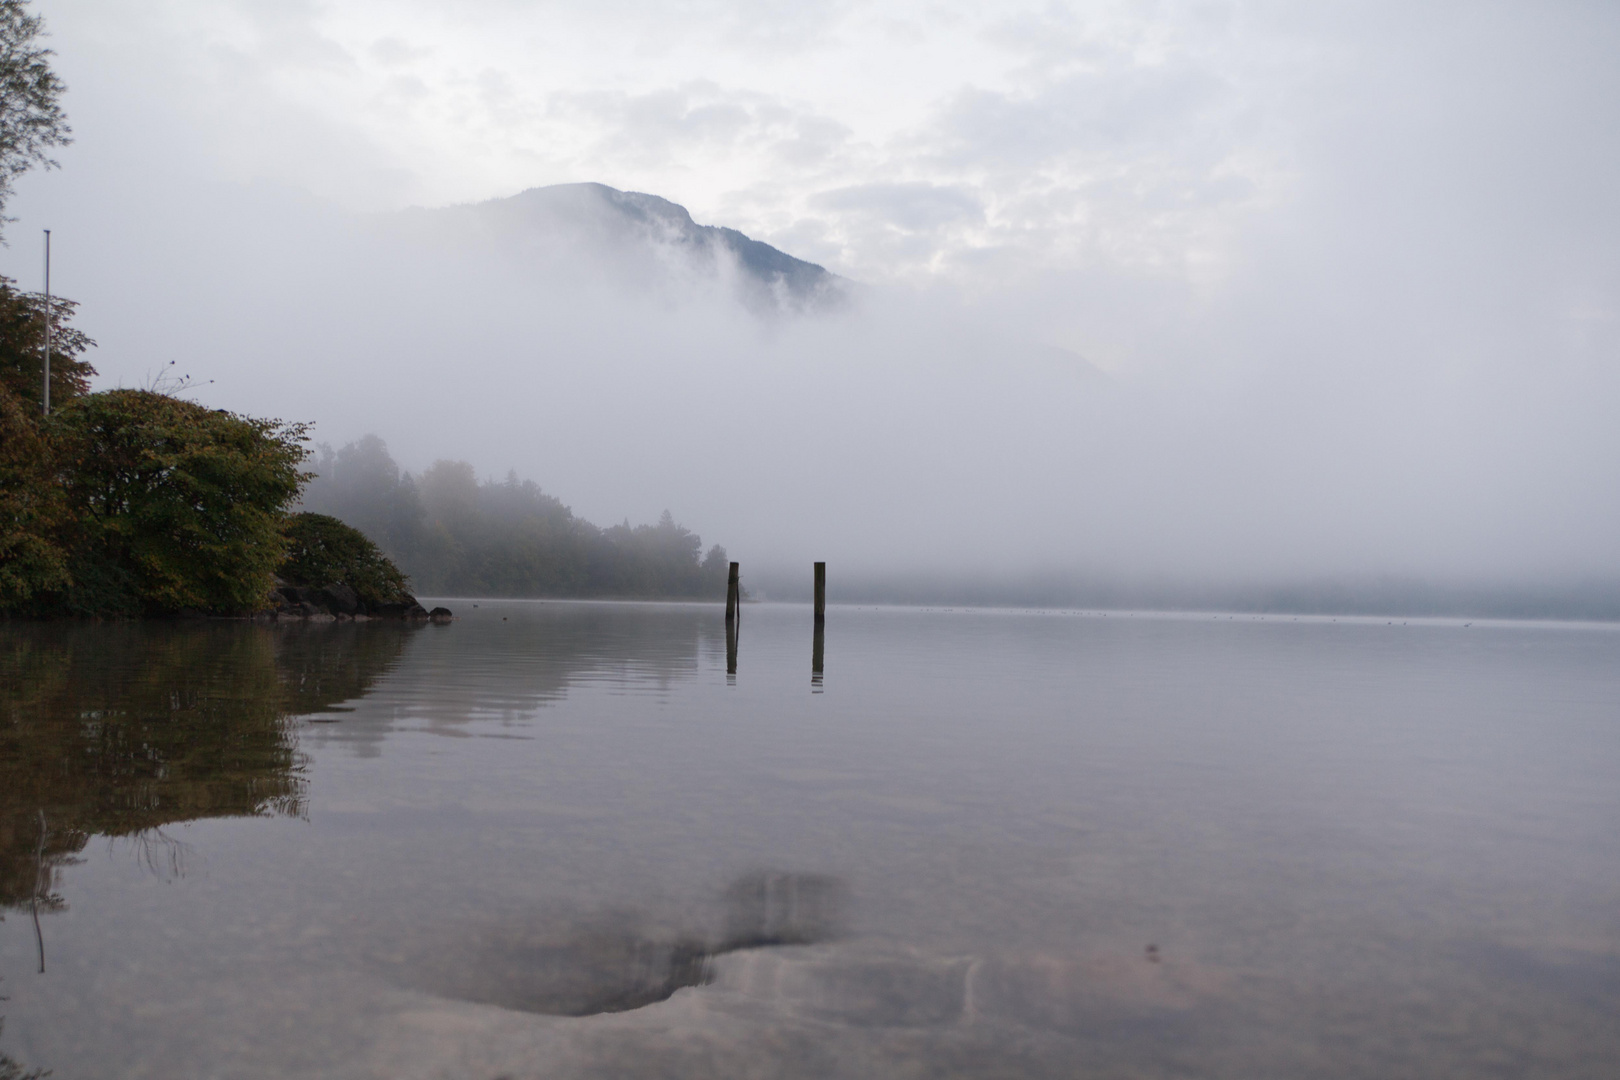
x,y
821,593
733,593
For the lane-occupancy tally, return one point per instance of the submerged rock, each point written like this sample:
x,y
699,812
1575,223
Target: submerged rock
x,y
617,961
767,908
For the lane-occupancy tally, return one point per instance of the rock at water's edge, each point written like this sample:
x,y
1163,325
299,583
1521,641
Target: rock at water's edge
x,y
341,600
407,608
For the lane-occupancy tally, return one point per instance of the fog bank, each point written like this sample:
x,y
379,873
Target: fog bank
x,y
912,431
1359,325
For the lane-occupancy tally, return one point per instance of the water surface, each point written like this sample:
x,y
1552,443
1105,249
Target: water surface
x,y
559,839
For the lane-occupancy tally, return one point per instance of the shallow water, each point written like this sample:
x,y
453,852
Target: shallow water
x,y
559,840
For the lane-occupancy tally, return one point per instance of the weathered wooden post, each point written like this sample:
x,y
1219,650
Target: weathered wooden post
x,y
821,593
733,593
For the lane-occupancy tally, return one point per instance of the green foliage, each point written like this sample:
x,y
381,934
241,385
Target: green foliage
x,y
323,551
176,506
34,513
31,117
458,536
33,509
22,348
125,502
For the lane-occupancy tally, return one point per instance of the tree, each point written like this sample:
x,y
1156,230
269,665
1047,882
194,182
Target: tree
x,y
176,506
31,119
34,517
22,347
323,551
363,485
457,536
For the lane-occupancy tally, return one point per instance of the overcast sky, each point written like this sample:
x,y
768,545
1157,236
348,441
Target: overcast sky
x,y
887,140
1355,267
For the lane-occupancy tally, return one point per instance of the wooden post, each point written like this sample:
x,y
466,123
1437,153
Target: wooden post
x,y
733,593
821,593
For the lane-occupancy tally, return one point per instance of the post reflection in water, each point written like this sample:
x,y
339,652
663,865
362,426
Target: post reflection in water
x,y
731,651
817,650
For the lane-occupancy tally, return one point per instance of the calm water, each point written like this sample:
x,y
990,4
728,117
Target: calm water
x,y
559,840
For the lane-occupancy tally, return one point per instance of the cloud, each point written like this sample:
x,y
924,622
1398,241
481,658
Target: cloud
x,y
915,207
742,109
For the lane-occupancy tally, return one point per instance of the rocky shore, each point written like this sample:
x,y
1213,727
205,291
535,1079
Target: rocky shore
x,y
339,602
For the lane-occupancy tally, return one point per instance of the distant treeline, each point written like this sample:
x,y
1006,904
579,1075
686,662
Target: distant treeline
x,y
457,536
130,503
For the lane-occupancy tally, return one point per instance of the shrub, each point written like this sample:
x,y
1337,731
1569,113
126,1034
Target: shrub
x,y
176,506
323,551
33,510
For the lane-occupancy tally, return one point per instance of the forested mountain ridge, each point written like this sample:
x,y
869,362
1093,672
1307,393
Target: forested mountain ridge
x,y
456,536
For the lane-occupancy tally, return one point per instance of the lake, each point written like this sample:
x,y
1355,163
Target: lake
x,y
562,840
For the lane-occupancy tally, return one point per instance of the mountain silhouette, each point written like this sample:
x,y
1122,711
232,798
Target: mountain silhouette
x,y
644,238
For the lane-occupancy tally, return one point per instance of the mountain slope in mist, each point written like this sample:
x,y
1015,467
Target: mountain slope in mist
x,y
645,239
900,438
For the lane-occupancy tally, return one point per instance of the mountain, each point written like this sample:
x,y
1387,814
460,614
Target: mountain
x,y
641,237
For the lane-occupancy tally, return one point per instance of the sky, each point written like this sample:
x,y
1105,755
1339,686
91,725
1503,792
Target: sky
x,y
1221,289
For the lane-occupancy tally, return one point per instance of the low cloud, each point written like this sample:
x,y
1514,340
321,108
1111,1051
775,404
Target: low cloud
x,y
1350,271
915,207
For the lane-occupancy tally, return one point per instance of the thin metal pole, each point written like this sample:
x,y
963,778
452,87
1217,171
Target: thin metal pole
x,y
47,322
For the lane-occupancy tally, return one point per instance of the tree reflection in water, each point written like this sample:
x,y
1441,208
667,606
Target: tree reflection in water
x,y
120,730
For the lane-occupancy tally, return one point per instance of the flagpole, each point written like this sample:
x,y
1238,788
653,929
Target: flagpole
x,y
47,322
